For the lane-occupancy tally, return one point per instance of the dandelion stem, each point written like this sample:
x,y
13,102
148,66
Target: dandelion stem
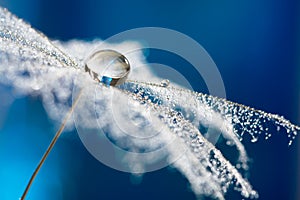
x,y
50,147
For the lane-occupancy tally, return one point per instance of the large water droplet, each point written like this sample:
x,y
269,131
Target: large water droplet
x,y
108,67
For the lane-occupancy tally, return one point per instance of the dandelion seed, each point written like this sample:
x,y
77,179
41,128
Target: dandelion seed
x,y
32,64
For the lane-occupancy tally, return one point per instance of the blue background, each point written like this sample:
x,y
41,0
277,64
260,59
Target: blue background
x,y
256,47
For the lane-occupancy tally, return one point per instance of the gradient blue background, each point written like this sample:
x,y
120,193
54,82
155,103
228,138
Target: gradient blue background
x,y
255,45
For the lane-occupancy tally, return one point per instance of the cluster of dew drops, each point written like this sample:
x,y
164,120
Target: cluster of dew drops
x,y
244,119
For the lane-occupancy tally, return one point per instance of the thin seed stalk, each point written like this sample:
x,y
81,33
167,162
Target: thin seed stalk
x,y
50,147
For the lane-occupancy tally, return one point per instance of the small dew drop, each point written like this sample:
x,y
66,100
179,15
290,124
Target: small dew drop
x,y
278,128
295,132
229,143
254,139
164,83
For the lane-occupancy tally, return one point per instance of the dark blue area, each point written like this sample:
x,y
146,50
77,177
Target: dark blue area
x,y
255,45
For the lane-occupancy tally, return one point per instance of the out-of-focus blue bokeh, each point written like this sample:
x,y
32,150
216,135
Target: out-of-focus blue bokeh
x,y
255,45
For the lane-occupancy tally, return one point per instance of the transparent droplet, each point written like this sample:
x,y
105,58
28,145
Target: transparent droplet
x,y
108,67
164,83
254,139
